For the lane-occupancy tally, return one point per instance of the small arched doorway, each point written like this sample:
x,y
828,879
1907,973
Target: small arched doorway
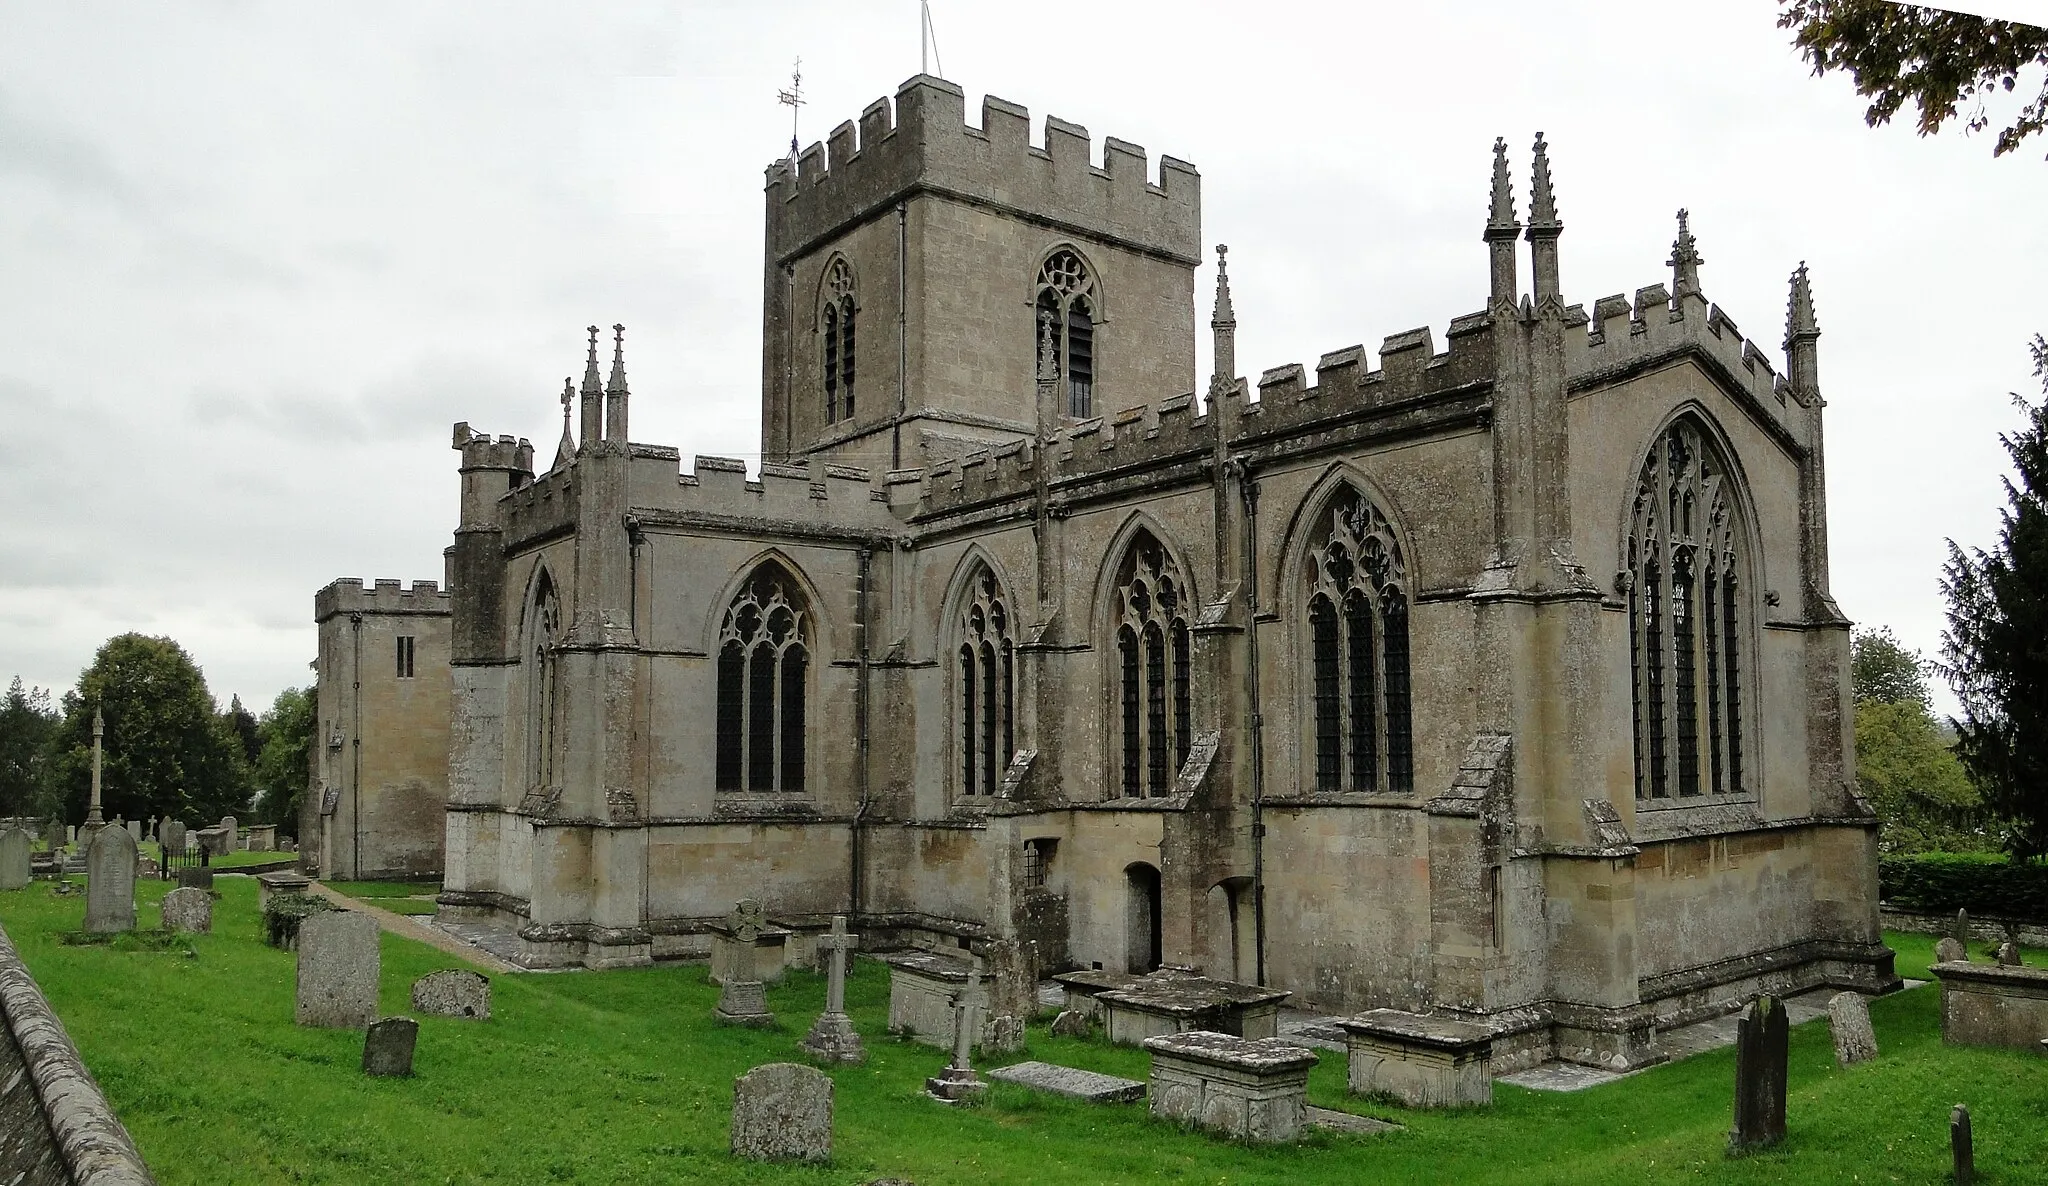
x,y
1141,919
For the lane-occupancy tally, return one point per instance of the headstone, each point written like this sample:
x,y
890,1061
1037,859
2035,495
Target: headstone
x,y
2009,954
173,836
1849,1019
453,992
1760,1049
958,1083
388,1046
782,1112
156,828
14,863
338,969
196,877
1071,1023
1959,1145
742,1000
1002,1034
135,830
189,910
110,881
1951,951
71,834
1960,932
832,1037
231,832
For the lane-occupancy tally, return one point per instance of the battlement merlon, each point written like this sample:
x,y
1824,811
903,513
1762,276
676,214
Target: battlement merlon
x,y
489,468
385,596
928,147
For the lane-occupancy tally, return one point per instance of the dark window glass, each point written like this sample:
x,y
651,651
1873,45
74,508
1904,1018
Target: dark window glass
x,y
761,718
1400,747
794,662
991,760
1729,635
1183,731
1322,619
968,690
1653,643
1365,773
732,698
831,363
1155,708
1127,656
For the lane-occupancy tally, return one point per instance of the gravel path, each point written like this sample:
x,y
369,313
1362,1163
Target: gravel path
x,y
412,928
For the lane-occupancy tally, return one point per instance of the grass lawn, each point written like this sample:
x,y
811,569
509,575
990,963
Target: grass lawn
x,y
622,1077
399,897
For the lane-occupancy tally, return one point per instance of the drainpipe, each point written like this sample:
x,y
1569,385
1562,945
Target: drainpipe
x,y
355,796
860,713
902,336
1249,490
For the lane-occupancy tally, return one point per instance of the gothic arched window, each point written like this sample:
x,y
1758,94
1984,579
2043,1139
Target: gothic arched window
x,y
988,688
835,330
1151,681
1358,651
1686,582
1066,328
543,680
763,664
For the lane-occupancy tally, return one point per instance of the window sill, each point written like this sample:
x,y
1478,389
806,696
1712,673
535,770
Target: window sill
x,y
1704,815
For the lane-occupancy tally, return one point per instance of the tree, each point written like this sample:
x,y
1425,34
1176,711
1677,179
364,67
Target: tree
x,y
27,720
283,766
1995,650
1883,671
1939,60
241,724
167,751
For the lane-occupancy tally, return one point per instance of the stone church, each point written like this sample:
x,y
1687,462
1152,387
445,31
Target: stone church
x,y
1499,679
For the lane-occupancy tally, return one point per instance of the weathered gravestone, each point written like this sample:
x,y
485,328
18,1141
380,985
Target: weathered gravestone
x,y
338,969
14,863
1849,1019
453,992
2009,954
782,1112
1071,1023
231,833
388,1046
1960,932
1760,1049
1960,1147
832,1037
135,830
1002,1034
1951,951
189,910
110,881
173,838
959,1083
741,999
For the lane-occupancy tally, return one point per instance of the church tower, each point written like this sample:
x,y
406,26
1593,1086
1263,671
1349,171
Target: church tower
x,y
921,274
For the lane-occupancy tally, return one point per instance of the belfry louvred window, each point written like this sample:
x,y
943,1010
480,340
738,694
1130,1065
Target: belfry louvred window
x,y
1067,313
1152,681
988,688
835,333
543,680
1686,586
763,672
1358,651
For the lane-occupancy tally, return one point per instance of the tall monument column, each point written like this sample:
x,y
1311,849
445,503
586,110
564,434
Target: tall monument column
x,y
99,730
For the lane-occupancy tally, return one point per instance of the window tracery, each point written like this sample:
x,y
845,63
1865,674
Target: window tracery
x,y
836,325
1065,346
544,632
1152,678
988,683
1358,646
1685,582
763,669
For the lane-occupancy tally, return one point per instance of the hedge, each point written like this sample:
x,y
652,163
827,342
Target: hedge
x,y
1982,883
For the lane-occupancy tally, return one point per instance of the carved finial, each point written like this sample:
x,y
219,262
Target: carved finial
x,y
1799,322
591,383
618,379
1048,353
1501,215
1685,262
1542,201
567,449
1225,314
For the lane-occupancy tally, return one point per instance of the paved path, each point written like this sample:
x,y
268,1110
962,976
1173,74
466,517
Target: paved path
x,y
412,928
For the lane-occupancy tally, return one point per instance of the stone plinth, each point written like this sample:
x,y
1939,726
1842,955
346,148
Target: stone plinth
x,y
269,885
1255,1089
770,953
1083,987
1425,1062
1993,1005
922,985
1171,1002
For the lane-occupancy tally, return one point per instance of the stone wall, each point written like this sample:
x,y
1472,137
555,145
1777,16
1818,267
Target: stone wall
x,y
56,1128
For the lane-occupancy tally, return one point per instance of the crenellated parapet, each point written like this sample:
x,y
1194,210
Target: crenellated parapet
x,y
383,596
923,143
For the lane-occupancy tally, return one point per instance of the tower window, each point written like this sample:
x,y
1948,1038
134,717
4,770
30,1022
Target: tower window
x,y
835,332
763,670
1066,317
1358,651
405,656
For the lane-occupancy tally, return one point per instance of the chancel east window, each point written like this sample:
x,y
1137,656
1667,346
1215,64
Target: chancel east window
x,y
1687,590
543,680
1066,329
1358,651
763,667
835,332
1151,677
987,661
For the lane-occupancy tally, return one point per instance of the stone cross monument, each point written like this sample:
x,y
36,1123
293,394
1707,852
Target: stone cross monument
x,y
93,818
742,1000
832,1037
958,1083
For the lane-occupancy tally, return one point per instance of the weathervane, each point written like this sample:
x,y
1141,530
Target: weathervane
x,y
793,98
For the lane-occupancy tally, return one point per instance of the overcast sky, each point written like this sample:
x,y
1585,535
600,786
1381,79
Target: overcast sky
x,y
256,258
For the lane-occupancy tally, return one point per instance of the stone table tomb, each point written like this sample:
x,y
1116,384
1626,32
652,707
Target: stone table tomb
x,y
1993,1005
1425,1062
1172,1002
922,985
1253,1089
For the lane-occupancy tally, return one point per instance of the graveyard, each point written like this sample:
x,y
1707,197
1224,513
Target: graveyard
x,y
624,1076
